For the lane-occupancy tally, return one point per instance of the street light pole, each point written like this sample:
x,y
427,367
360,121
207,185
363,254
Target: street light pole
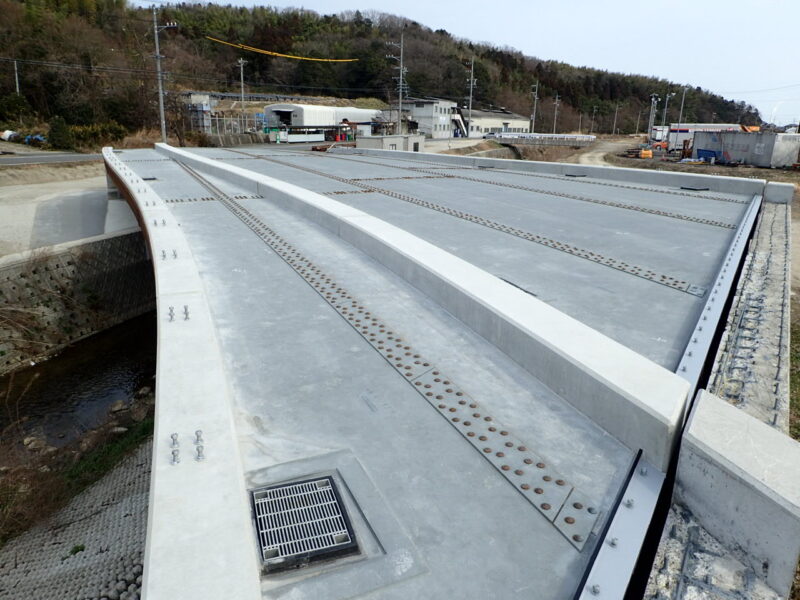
x,y
158,57
401,80
654,98
683,99
241,62
471,86
666,104
161,117
556,102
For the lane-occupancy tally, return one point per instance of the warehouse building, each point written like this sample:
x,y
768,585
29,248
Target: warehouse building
x,y
316,123
773,150
678,133
497,121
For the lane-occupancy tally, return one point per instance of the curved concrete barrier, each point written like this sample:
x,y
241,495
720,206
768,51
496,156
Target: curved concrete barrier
x,y
206,497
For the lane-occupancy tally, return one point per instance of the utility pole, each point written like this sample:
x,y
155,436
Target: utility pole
x,y
683,99
471,83
556,102
614,126
591,126
401,80
580,121
638,116
16,77
158,57
535,94
654,98
666,104
241,62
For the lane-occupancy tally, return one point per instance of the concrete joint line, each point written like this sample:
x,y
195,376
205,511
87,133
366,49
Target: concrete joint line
x,y
643,272
570,511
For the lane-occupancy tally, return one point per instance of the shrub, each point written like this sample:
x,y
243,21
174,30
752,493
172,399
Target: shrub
x,y
60,135
13,107
97,134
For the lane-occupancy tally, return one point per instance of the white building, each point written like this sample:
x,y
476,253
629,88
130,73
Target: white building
x,y
496,121
313,116
435,118
407,142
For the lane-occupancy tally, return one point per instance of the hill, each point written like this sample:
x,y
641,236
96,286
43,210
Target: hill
x,y
90,61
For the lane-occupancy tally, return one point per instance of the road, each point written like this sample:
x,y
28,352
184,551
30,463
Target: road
x,y
46,157
596,153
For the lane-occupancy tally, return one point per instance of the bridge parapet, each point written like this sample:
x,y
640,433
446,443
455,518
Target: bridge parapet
x,y
199,512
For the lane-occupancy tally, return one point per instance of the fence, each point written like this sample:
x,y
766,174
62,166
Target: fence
x,y
545,139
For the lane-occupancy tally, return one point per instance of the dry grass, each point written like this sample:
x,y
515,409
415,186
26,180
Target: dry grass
x,y
144,138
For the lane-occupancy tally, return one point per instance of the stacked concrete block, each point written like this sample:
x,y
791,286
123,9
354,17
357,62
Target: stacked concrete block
x,y
71,291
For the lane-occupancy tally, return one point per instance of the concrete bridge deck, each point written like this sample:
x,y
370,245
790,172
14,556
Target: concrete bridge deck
x,y
481,357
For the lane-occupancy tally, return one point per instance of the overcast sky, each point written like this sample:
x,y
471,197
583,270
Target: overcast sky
x,y
743,49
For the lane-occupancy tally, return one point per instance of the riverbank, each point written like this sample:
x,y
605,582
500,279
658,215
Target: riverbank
x,y
93,547
37,479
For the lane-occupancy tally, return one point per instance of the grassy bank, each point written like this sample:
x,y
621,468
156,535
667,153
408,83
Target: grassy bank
x,y
47,482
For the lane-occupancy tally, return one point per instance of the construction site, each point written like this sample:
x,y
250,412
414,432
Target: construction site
x,y
288,344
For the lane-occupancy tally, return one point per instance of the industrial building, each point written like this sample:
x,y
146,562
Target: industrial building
x,y
414,142
435,118
482,122
773,150
678,133
316,123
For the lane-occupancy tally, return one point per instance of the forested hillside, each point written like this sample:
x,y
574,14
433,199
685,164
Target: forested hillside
x,y
90,62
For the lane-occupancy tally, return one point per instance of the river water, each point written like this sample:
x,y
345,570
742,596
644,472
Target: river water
x,y
71,393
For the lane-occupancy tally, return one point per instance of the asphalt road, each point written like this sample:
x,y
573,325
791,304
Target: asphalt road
x,y
48,157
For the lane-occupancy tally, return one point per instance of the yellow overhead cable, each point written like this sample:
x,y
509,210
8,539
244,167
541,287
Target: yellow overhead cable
x,y
270,53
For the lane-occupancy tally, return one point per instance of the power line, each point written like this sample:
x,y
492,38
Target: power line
x,y
174,75
784,87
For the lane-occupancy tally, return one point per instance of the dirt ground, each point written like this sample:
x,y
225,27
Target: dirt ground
x,y
44,173
596,153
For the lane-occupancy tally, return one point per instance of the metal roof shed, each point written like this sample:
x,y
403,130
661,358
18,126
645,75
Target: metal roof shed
x,y
312,115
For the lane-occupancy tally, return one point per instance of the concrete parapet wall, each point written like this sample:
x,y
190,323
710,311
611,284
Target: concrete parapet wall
x,y
739,477
736,185
632,398
58,295
779,193
199,511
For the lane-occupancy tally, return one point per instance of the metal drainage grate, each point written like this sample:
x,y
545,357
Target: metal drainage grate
x,y
301,522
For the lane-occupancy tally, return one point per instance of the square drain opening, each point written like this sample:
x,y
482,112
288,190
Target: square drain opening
x,y
301,522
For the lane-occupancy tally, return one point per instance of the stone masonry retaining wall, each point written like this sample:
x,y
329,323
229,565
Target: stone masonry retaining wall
x,y
53,297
